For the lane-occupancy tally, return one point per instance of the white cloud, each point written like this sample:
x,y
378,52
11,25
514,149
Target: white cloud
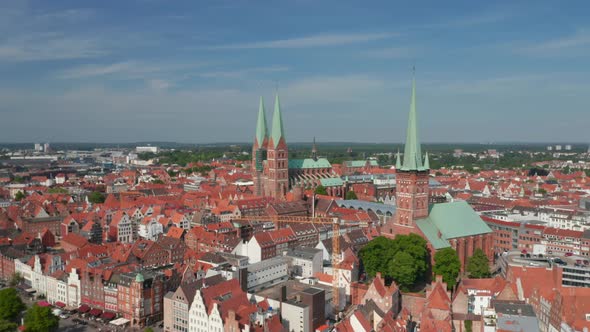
x,y
319,40
242,73
159,84
564,45
390,53
129,70
331,89
49,46
98,70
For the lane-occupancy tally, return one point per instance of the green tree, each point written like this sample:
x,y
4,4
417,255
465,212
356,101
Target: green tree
x,y
351,195
321,190
57,190
447,265
468,326
158,181
10,304
148,329
402,268
15,279
20,195
478,265
40,319
403,259
6,326
96,197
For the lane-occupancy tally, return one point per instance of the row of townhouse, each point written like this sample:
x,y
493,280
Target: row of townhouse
x,y
511,235
49,276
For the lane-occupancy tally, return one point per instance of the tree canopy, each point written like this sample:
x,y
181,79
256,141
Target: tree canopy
x,y
96,197
447,265
478,265
6,326
19,196
351,195
321,190
10,304
15,279
40,319
57,190
403,259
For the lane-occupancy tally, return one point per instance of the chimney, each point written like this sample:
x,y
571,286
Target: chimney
x,y
283,293
378,275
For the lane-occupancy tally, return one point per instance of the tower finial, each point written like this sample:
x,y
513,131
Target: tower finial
x,y
314,150
398,163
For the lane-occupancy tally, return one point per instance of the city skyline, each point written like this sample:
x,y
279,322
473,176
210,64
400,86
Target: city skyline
x,y
144,71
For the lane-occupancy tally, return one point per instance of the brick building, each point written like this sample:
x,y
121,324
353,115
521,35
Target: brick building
x,y
274,175
7,257
443,225
140,297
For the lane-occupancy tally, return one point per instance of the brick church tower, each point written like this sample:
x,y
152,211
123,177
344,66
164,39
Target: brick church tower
x,y
270,155
259,150
277,182
412,191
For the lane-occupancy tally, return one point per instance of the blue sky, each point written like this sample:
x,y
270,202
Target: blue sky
x,y
192,71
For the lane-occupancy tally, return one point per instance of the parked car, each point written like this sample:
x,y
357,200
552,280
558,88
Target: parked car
x,y
568,254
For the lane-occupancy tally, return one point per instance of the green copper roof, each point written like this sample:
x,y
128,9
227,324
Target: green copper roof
x,y
277,124
261,131
361,163
398,163
309,163
139,277
431,233
452,220
332,182
412,150
426,162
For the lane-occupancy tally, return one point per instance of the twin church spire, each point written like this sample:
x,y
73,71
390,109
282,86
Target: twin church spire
x,y
277,131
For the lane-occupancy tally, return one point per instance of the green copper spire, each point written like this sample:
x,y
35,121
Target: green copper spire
x,y
398,163
261,131
277,124
426,162
412,150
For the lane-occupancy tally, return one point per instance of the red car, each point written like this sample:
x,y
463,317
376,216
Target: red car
x,y
568,254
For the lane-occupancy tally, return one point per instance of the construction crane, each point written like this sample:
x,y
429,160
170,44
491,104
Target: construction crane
x,y
333,221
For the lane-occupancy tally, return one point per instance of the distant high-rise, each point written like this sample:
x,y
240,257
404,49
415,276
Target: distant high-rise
x,y
568,147
558,148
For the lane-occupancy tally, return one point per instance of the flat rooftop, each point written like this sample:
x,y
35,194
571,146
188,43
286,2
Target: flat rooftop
x,y
514,258
294,287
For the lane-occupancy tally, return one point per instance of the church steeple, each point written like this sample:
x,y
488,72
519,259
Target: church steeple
x,y
412,149
398,164
426,162
314,150
261,128
277,124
